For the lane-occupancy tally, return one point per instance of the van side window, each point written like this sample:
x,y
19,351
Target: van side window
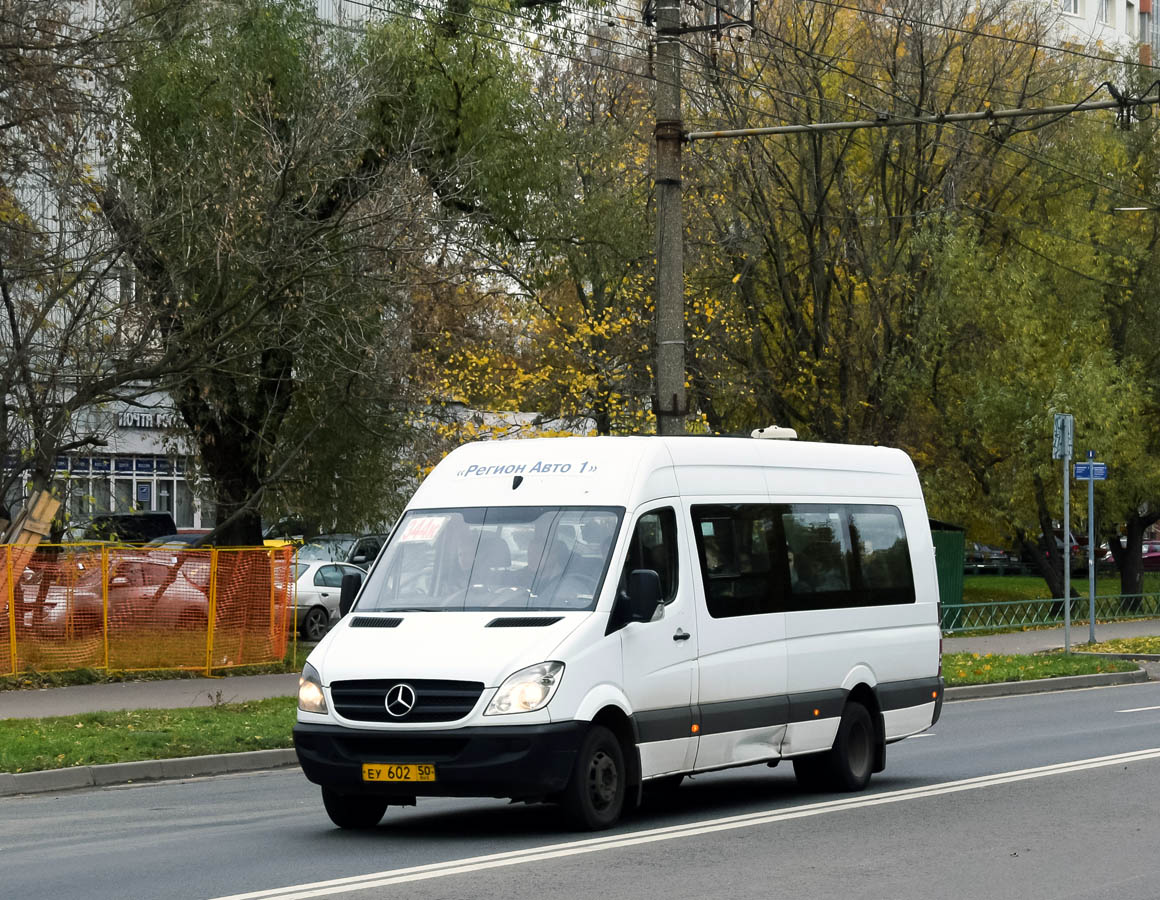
x,y
882,553
742,564
817,550
654,546
764,558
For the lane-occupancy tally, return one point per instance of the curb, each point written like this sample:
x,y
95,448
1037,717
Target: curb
x,y
1042,685
146,770
257,760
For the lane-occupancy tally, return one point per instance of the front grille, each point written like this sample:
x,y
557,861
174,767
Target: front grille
x,y
524,622
374,622
435,701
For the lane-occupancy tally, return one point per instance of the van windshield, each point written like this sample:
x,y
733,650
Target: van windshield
x,y
529,557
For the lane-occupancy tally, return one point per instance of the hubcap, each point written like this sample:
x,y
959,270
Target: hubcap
x,y
603,780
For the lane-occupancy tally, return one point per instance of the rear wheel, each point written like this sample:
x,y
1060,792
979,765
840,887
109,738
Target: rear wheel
x,y
353,810
847,765
594,797
314,624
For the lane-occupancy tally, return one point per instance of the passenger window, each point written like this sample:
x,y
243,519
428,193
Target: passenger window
x,y
654,546
328,576
764,558
817,550
740,562
883,555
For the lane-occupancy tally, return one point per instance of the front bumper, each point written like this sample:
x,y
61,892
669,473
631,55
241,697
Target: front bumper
x,y
521,762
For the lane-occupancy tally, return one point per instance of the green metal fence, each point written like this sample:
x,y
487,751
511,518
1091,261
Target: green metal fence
x,y
1021,613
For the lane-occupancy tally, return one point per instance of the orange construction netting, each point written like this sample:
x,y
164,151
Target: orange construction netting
x,y
78,606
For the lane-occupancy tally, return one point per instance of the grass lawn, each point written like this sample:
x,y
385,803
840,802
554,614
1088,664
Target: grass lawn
x,y
989,668
29,745
1125,645
998,588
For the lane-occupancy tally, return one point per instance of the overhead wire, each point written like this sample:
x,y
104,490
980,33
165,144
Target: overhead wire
x,y
588,48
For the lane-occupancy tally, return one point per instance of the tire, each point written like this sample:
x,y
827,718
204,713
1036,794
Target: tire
x,y
315,624
848,764
594,797
353,811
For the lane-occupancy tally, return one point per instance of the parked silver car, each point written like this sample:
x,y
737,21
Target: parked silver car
x,y
317,584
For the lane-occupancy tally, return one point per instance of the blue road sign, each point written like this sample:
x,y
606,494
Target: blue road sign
x,y
1091,471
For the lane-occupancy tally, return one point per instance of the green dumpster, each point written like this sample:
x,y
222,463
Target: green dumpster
x,y
949,550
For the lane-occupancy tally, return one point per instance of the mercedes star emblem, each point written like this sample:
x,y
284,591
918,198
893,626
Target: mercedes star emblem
x,y
400,700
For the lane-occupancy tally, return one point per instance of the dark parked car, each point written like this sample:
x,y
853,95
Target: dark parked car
x,y
1151,556
129,528
980,558
348,548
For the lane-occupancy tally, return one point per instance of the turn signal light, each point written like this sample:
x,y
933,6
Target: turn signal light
x,y
696,728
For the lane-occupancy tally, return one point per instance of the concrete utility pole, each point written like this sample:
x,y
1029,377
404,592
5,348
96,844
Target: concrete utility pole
x,y
669,403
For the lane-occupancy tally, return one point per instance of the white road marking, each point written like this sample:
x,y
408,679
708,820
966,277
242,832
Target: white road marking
x,y
691,829
1139,709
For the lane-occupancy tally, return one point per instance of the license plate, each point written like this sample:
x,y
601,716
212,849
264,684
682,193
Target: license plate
x,y
398,772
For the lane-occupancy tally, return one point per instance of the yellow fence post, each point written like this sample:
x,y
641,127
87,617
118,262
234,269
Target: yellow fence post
x,y
213,570
105,600
11,605
273,603
293,614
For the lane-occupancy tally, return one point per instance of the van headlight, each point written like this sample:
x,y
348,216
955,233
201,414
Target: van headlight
x,y
527,690
311,697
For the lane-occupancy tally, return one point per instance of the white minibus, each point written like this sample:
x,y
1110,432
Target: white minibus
x,y
574,620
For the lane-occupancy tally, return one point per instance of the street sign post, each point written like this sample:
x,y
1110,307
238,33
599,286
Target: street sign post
x,y
1062,441
1091,472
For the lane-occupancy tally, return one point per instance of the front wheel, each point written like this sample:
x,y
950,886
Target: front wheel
x,y
314,624
594,797
352,810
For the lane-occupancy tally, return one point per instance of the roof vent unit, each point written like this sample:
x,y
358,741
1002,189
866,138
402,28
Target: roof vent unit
x,y
774,433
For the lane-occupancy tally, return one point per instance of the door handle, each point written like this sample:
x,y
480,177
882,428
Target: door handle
x,y
323,595
681,635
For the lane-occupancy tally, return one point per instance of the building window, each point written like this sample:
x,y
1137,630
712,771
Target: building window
x,y
1106,13
1130,20
1071,7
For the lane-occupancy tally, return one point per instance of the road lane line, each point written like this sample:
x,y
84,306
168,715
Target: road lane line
x,y
691,829
1139,709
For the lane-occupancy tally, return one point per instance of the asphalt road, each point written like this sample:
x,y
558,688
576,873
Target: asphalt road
x,y
1040,796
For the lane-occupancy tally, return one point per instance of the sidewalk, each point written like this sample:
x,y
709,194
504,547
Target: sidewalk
x,y
1049,638
176,694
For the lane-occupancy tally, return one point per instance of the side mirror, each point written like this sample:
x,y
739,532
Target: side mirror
x,y
644,594
350,585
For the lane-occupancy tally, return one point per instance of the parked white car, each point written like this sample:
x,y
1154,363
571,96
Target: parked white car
x,y
317,586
